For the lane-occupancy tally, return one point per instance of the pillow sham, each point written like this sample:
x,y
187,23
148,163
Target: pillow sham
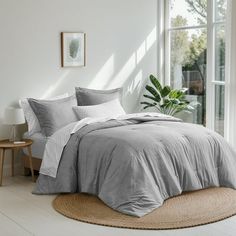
x,y
108,109
87,97
32,120
55,114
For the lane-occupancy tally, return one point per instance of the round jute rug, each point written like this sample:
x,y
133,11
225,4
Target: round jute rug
x,y
187,210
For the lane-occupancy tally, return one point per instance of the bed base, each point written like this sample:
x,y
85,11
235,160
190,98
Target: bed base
x,y
36,164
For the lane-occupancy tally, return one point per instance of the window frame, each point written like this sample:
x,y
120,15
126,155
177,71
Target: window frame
x,y
211,82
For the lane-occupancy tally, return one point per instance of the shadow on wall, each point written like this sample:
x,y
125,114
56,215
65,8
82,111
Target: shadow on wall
x,y
130,76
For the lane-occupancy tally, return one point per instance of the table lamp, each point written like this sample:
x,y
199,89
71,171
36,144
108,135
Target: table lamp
x,y
13,116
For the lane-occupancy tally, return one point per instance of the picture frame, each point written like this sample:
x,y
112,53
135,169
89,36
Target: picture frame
x,y
73,46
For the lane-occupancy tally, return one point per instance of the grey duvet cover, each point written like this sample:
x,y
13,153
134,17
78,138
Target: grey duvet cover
x,y
133,166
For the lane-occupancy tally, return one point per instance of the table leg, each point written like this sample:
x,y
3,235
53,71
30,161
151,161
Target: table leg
x,y
12,162
31,163
2,154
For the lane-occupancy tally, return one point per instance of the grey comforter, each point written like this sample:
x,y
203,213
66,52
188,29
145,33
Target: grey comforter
x,y
133,166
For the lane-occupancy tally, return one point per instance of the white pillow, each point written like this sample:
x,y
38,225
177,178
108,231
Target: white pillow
x,y
32,120
108,109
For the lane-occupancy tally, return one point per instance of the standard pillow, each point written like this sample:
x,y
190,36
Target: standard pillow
x,y
87,97
107,109
53,115
32,120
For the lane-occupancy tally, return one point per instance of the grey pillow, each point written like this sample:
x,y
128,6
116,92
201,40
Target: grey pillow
x,y
53,115
87,97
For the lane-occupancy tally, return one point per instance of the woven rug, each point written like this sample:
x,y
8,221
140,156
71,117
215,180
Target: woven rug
x,y
187,210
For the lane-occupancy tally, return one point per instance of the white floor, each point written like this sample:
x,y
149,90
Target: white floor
x,y
22,213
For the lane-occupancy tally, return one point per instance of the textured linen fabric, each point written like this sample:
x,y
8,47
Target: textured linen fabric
x,y
32,120
57,142
87,97
134,165
107,109
38,146
55,114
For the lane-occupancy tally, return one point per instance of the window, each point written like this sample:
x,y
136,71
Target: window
x,y
195,56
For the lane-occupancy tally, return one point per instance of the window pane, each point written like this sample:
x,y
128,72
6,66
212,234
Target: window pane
x,y
220,10
219,108
220,52
188,12
188,67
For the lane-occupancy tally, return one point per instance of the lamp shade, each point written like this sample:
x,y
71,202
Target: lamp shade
x,y
14,116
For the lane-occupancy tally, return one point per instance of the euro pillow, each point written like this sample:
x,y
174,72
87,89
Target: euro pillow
x,y
31,118
87,97
108,109
53,115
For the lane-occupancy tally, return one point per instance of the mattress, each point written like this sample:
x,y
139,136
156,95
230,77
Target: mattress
x,y
38,145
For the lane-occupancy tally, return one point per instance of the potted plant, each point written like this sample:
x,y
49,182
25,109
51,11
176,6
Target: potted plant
x,y
166,100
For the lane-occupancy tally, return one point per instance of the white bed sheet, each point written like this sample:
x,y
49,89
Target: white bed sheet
x,y
38,145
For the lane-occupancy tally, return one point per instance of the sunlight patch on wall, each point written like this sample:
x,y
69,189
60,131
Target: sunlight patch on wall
x,y
133,61
151,39
124,73
54,87
104,75
141,52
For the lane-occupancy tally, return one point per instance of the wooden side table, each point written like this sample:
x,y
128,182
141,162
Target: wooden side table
x,y
7,145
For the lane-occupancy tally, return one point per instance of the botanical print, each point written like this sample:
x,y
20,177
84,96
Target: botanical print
x,y
73,49
73,53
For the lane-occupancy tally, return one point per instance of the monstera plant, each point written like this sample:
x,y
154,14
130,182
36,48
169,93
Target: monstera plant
x,y
166,100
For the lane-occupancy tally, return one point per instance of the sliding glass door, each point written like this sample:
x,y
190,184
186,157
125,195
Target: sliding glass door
x,y
195,56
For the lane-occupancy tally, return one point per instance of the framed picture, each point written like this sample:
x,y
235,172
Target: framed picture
x,y
73,49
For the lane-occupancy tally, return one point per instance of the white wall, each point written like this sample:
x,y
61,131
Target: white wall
x,y
121,48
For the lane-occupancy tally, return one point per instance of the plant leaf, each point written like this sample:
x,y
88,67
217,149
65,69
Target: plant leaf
x,y
165,91
156,83
166,100
153,92
152,98
173,93
147,103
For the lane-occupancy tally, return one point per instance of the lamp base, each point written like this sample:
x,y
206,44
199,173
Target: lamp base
x,y
13,134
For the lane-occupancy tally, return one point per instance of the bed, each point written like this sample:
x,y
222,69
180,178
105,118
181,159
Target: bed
x,y
38,146
132,162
